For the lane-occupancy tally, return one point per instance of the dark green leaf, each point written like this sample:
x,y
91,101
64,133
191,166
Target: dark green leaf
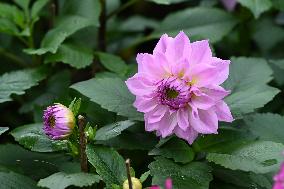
x,y
248,89
112,130
3,130
75,106
32,137
37,7
108,163
167,2
17,82
257,157
176,149
63,180
195,175
267,126
55,37
112,94
257,7
74,55
13,180
198,23
113,63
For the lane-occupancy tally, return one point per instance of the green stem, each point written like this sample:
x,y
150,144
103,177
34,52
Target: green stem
x,y
123,7
83,143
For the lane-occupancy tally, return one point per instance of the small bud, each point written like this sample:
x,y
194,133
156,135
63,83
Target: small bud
x,y
136,184
59,121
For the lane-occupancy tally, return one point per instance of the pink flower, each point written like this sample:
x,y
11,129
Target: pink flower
x,y
168,185
279,179
229,4
177,87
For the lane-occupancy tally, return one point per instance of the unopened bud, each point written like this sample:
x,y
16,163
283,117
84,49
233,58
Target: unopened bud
x,y
136,184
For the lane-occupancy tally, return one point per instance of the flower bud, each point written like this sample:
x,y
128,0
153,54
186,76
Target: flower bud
x,y
59,121
136,184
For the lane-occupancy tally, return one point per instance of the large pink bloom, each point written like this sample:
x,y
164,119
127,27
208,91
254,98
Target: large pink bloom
x,y
279,179
177,87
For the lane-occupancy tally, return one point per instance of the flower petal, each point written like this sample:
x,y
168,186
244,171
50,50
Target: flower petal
x,y
182,118
140,85
204,121
200,53
189,135
223,112
162,44
144,104
222,71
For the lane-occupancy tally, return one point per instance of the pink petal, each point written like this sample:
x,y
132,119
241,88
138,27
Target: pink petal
x,y
140,85
182,118
203,75
200,53
222,71
203,102
167,124
168,183
149,65
157,114
155,187
144,104
223,112
216,92
162,44
189,135
180,68
179,48
204,121
229,4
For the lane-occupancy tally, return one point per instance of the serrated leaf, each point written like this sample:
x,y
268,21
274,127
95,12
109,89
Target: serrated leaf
x,y
3,130
55,37
198,23
248,89
63,180
108,163
32,137
7,26
257,7
112,94
266,126
17,82
112,63
176,149
12,13
195,175
14,180
257,157
74,55
144,176
112,130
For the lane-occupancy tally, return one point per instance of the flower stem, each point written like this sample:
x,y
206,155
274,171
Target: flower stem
x,y
83,143
127,165
102,29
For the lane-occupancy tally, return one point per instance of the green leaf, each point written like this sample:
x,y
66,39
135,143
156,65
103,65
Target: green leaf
x,y
108,163
167,2
195,175
12,13
24,4
278,69
32,137
144,176
242,179
130,24
260,124
176,149
278,4
112,130
248,89
132,141
113,63
257,7
257,157
89,9
198,23
63,180
3,130
55,37
14,180
26,162
17,82
75,106
37,7
74,55
112,94
7,26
